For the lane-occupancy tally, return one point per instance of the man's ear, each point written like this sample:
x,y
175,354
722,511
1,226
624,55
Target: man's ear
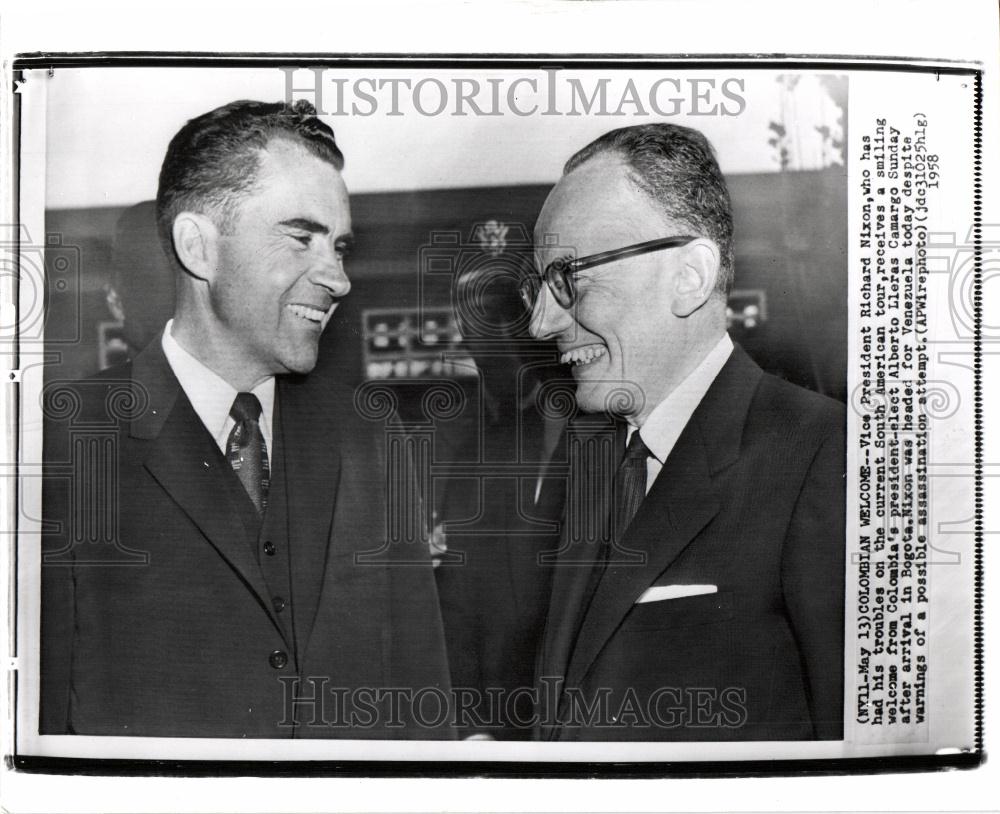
x,y
196,242
694,281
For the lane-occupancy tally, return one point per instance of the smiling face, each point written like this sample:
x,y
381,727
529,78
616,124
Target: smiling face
x,y
279,270
626,346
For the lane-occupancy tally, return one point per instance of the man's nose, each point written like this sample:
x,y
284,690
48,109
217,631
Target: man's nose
x,y
328,271
548,318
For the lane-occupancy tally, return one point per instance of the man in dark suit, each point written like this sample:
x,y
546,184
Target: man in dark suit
x,y
699,585
217,561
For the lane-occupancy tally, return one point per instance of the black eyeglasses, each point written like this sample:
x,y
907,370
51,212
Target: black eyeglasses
x,y
559,273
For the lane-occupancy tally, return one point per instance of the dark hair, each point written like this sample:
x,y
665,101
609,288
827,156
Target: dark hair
x,y
676,167
213,160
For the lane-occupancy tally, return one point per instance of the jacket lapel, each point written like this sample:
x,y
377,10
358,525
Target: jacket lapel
x,y
682,501
312,456
184,459
552,486
591,445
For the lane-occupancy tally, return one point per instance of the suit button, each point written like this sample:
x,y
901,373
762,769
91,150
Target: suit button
x,y
278,659
269,548
279,604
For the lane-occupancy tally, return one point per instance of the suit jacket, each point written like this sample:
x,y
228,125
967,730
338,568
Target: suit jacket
x,y
165,626
750,501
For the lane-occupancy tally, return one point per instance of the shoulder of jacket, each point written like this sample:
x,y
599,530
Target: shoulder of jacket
x,y
797,410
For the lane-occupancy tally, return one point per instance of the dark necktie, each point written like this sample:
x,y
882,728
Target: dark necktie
x,y
629,490
630,484
246,450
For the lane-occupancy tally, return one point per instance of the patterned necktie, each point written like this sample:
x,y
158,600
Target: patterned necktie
x,y
246,450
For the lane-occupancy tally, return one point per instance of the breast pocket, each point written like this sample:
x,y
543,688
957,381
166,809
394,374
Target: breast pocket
x,y
686,611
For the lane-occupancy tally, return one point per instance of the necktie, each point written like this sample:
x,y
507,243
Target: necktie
x,y
246,450
630,484
629,490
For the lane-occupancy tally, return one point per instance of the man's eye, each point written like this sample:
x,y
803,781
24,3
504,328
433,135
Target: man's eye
x,y
305,238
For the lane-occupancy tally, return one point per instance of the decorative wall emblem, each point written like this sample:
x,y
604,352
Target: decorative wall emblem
x,y
492,236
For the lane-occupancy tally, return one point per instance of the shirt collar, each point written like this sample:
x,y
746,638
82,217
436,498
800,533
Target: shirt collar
x,y
664,425
212,396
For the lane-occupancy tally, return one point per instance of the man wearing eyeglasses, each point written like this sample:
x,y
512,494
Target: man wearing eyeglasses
x,y
699,587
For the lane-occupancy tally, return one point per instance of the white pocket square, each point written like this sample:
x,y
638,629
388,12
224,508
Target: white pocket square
x,y
660,592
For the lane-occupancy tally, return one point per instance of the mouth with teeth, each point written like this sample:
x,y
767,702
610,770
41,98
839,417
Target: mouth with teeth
x,y
311,314
585,355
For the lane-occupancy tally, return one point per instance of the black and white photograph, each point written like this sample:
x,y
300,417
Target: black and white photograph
x,y
514,413
245,542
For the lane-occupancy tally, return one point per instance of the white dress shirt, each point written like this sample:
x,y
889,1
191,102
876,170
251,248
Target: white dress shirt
x,y
665,424
212,396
